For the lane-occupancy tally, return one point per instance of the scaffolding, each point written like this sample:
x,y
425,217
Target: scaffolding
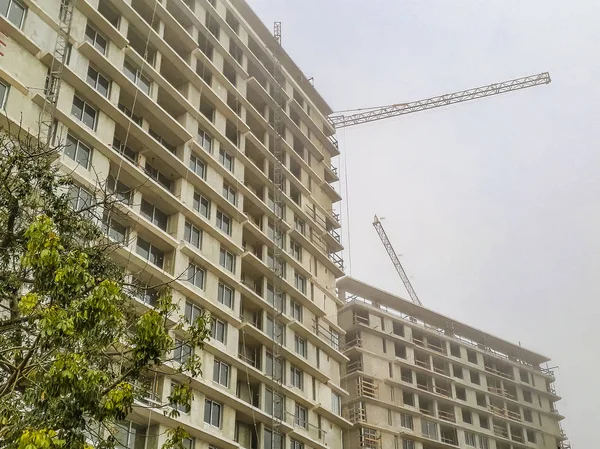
x,y
54,78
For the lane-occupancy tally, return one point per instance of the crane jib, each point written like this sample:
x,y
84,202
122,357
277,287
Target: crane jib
x,y
373,114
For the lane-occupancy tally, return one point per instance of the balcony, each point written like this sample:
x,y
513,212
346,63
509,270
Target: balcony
x,y
355,364
356,413
366,387
446,412
353,340
249,351
448,435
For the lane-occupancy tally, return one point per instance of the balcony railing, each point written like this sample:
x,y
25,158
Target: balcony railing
x,y
446,416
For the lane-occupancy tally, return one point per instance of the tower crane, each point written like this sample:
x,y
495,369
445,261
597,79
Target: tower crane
x,y
365,115
396,261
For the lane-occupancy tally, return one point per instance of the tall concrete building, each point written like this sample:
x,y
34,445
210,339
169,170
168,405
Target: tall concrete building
x,y
170,104
421,380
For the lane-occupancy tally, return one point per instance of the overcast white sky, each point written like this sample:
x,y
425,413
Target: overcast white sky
x,y
493,204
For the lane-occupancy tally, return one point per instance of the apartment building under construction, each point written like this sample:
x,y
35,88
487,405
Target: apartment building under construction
x,y
420,380
171,104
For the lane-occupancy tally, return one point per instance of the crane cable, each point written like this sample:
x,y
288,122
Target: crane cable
x,y
347,197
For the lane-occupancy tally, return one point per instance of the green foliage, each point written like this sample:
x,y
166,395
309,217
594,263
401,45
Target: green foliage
x,y
71,347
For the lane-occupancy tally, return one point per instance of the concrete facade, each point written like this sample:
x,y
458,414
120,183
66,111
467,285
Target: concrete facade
x,y
420,380
169,103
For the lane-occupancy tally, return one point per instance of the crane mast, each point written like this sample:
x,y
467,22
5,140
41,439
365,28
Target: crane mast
x,y
396,261
394,110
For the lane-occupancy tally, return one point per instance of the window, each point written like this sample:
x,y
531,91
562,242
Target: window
x,y
218,330
281,266
475,377
296,310
201,205
274,404
300,345
204,139
470,439
300,282
221,373
408,398
153,215
227,260
225,295
279,238
226,159
429,429
157,175
144,293
115,230
274,369
129,113
275,330
455,350
471,356
278,209
113,17
296,250
483,442
457,371
78,151
96,39
98,81
150,253
531,435
335,338
297,376
80,198
184,408
188,443
466,416
301,416
192,235
461,393
192,311
273,440
84,112
4,88
224,222
279,302
212,413
119,190
527,396
296,444
120,147
406,421
182,351
524,375
481,401
136,76
336,403
196,275
484,422
13,11
299,225
198,166
527,415
408,444
156,136
229,193
130,435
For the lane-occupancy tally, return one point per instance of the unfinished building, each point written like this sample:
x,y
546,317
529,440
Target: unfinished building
x,y
420,380
171,104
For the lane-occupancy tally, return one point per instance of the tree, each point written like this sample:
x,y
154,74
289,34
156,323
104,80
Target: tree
x,y
72,349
